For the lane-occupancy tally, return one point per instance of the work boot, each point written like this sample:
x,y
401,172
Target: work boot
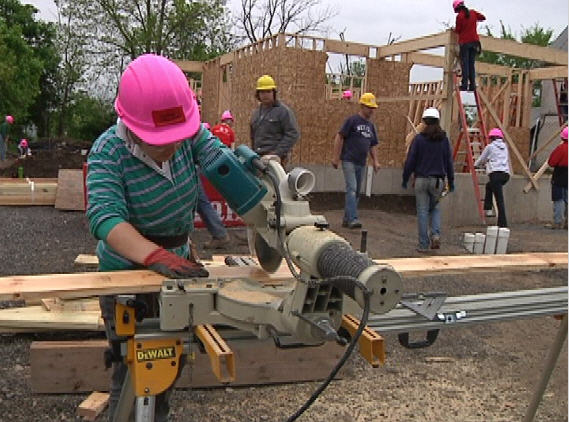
x,y
220,243
355,224
489,213
435,242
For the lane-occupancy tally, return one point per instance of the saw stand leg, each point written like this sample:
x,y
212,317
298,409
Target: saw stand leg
x,y
552,357
144,410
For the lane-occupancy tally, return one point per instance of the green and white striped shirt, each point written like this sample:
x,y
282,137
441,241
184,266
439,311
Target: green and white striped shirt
x,y
123,187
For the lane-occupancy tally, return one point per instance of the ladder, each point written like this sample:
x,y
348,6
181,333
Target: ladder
x,y
475,140
560,93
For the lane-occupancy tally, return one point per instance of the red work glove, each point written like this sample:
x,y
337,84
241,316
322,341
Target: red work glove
x,y
171,265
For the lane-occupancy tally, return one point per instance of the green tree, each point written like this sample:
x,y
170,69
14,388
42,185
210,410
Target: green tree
x,y
88,117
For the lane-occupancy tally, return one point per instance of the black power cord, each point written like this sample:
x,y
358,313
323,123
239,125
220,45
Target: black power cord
x,y
332,280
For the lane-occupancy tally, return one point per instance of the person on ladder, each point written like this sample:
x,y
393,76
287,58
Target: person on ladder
x,y
497,160
558,160
469,42
430,159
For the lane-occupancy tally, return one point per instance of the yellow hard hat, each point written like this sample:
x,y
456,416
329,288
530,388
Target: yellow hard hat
x,y
368,99
266,83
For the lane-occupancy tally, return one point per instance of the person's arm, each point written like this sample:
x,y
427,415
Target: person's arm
x,y
480,17
483,157
128,242
555,157
291,133
337,151
374,158
458,24
410,162
449,166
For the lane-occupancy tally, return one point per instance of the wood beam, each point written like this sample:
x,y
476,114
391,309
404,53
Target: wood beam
x,y
189,65
433,60
528,51
343,47
552,72
144,281
422,43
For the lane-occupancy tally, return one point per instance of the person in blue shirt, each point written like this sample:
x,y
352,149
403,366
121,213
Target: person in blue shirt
x,y
430,160
356,139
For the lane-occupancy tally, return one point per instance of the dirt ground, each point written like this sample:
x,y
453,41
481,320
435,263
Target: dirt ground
x,y
490,374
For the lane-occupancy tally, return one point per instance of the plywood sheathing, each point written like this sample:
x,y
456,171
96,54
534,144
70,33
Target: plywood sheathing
x,y
300,77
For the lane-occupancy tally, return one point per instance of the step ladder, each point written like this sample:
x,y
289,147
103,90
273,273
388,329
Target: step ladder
x,y
475,140
560,92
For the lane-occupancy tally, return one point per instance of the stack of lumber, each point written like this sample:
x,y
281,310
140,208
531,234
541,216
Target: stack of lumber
x,y
27,191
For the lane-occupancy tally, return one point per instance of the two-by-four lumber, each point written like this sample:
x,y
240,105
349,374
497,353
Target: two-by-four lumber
x,y
144,281
93,406
78,366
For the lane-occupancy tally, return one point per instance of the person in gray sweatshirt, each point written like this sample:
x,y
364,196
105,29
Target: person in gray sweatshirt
x,y
497,160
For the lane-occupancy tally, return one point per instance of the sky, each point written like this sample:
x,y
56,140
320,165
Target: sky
x,y
372,21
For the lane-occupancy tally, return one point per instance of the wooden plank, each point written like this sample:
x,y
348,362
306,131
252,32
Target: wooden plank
x,y
189,65
508,138
335,46
93,406
144,281
415,44
552,72
69,194
27,192
77,366
548,142
86,260
37,317
536,176
528,51
433,60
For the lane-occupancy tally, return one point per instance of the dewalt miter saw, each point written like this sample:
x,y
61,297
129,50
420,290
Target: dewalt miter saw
x,y
307,309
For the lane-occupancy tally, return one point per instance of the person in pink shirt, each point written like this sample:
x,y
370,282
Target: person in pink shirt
x,y
469,42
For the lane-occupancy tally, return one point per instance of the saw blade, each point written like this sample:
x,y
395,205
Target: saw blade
x,y
269,258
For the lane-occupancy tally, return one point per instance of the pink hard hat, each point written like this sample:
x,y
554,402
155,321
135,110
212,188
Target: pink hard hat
x,y
24,142
564,134
226,115
156,102
206,125
10,119
457,3
495,133
347,94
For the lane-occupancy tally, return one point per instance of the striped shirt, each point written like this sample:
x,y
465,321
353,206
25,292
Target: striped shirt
x,y
122,187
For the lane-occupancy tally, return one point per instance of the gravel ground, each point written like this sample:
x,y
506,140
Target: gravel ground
x,y
489,375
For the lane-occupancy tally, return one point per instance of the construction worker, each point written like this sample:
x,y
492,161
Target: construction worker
x,y
347,95
4,135
224,130
24,148
558,160
497,160
142,188
274,129
468,41
356,139
430,160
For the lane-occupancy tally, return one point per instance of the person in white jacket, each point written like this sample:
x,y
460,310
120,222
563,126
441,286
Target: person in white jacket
x,y
497,160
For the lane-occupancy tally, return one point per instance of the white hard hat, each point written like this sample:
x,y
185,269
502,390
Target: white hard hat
x,y
432,113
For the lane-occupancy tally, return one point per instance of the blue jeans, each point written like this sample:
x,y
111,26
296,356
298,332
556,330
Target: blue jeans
x,y
209,215
427,193
353,178
559,204
468,53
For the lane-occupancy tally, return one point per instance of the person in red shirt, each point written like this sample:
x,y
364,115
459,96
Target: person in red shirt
x,y
224,130
558,160
468,40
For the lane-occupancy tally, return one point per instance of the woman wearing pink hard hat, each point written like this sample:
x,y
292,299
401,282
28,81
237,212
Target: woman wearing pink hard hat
x,y
558,160
142,187
496,158
4,135
468,40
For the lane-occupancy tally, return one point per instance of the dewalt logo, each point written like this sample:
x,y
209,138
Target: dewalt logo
x,y
153,354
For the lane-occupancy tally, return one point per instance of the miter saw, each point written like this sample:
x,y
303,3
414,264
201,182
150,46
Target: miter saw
x,y
307,309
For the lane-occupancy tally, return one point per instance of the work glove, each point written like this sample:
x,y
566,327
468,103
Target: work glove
x,y
451,186
404,185
173,266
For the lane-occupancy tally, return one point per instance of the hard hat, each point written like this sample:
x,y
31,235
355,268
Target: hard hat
x,y
457,3
24,142
226,115
564,134
266,83
156,102
206,125
347,94
431,113
368,99
10,119
495,133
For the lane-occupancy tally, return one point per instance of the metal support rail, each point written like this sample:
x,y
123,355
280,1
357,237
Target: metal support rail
x,y
476,309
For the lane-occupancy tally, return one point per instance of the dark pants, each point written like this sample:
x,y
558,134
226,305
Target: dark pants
x,y
119,368
494,186
468,53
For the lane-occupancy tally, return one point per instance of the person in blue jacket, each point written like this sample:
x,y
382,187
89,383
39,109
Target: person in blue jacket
x,y
430,160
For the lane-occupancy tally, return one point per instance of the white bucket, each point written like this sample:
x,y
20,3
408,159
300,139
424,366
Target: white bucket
x,y
468,242
479,242
491,235
503,237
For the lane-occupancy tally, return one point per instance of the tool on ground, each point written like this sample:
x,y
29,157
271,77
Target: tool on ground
x,y
305,310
